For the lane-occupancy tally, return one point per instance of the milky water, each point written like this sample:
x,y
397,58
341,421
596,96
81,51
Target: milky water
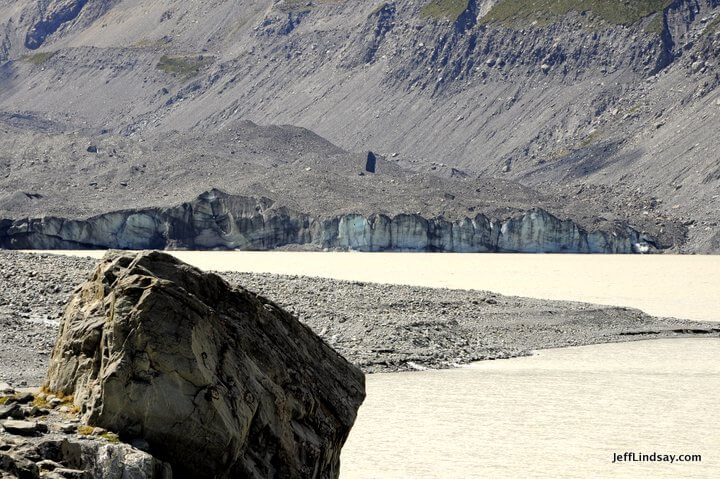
x,y
559,414
663,285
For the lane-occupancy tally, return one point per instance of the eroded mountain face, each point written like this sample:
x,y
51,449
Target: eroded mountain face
x,y
615,98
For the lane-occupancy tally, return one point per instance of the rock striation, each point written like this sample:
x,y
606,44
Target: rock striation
x,y
216,220
218,381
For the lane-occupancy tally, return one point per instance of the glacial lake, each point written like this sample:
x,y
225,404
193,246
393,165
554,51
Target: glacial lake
x,y
686,287
561,413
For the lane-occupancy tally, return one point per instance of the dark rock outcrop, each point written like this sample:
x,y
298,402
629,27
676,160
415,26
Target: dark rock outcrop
x,y
58,12
216,220
218,381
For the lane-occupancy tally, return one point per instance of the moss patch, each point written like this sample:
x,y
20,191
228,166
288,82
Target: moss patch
x,y
545,12
110,437
656,24
3,400
43,402
186,67
40,402
588,140
298,5
85,430
39,58
450,9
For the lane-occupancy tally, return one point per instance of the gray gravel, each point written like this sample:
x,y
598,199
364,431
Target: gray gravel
x,y
378,327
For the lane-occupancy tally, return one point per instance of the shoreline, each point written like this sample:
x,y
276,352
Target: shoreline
x,y
378,327
537,352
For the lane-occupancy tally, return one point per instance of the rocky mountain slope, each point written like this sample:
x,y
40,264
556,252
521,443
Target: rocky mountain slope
x,y
610,104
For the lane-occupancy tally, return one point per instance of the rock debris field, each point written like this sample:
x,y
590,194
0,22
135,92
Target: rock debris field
x,y
380,328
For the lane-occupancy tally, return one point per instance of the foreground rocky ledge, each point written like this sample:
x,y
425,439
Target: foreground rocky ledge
x,y
216,220
42,436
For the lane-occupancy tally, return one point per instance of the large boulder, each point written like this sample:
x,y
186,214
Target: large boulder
x,y
219,381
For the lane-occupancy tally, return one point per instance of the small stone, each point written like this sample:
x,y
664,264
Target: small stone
x,y
38,411
6,389
9,410
24,398
92,149
48,465
70,473
55,402
20,428
18,413
99,431
68,428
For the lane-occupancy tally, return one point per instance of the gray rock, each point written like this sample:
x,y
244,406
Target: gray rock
x,y
9,410
48,465
38,411
21,428
18,466
68,428
218,384
70,473
24,398
56,13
